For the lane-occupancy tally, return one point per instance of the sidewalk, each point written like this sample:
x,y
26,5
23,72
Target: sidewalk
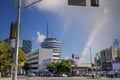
x,y
9,78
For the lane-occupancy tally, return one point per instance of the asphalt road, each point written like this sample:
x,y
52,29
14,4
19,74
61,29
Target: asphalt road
x,y
60,78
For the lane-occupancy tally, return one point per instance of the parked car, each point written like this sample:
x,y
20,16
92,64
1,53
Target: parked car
x,y
9,75
49,74
103,73
63,75
90,74
30,74
46,73
56,75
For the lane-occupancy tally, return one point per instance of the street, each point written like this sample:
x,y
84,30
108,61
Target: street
x,y
60,78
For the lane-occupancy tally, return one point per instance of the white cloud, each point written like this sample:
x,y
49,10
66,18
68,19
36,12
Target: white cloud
x,y
48,5
40,37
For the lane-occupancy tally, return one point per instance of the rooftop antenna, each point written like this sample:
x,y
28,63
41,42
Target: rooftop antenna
x,y
51,34
47,30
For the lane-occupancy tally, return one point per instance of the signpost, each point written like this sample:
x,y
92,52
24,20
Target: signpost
x,y
19,3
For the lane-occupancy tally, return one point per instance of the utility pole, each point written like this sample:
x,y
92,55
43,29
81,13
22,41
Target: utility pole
x,y
15,62
91,60
91,56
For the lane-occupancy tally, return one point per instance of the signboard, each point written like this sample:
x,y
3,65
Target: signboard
x,y
13,69
77,2
76,57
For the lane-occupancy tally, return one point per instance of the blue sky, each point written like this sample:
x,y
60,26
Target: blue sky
x,y
75,26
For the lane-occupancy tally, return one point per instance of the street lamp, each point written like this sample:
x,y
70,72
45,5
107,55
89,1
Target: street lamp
x,y
91,60
15,63
90,54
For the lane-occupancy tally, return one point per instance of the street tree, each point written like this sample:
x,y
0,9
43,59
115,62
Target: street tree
x,y
64,66
26,67
53,67
6,59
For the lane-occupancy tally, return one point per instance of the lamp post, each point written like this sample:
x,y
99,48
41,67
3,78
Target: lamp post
x,y
90,54
91,60
15,62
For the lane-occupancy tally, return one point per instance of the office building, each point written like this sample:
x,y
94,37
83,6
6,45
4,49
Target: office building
x,y
25,45
37,57
55,45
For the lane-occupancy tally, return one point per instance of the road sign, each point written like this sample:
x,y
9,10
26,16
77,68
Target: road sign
x,y
13,68
77,2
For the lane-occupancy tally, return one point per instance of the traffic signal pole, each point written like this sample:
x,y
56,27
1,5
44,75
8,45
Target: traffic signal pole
x,y
15,63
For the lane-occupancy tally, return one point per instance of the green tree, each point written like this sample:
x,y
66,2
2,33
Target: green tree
x,y
21,57
26,67
53,67
89,69
6,60
64,66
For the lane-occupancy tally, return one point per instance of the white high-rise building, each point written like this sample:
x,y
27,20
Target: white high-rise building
x,y
55,45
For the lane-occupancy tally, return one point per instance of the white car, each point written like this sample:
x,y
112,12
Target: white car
x,y
63,75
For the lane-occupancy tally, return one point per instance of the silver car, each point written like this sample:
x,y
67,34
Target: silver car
x,y
31,74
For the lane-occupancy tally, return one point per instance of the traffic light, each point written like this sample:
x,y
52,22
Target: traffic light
x,y
13,30
92,65
95,3
77,2
72,56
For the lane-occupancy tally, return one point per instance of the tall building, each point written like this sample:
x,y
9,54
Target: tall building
x,y
106,59
114,53
26,46
55,45
116,44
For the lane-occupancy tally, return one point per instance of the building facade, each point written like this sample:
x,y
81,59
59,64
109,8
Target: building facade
x,y
44,64
107,58
25,45
55,45
36,57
